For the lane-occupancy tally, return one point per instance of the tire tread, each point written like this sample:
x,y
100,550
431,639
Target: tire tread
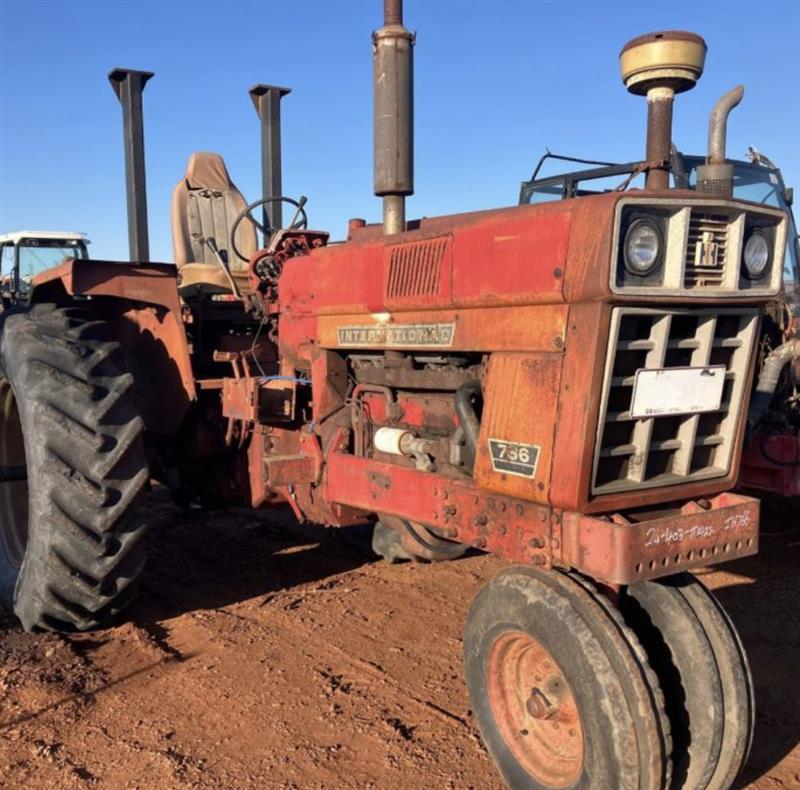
x,y
79,401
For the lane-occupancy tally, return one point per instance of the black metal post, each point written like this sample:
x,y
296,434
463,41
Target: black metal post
x,y
16,277
267,101
129,84
13,474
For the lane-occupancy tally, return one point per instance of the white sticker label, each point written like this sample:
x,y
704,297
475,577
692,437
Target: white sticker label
x,y
669,391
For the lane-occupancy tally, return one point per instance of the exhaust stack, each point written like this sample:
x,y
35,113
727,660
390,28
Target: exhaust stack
x,y
267,101
393,118
715,177
129,84
659,65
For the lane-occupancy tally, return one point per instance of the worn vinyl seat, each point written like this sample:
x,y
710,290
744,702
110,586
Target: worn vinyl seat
x,y
205,204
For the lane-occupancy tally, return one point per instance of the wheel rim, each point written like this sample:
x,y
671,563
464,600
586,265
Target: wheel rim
x,y
535,709
13,495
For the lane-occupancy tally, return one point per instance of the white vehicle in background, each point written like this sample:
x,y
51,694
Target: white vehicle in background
x,y
25,253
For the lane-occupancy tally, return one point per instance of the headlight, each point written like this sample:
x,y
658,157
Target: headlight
x,y
756,255
642,247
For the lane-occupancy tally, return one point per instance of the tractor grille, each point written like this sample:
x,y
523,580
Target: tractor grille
x,y
414,268
668,450
706,250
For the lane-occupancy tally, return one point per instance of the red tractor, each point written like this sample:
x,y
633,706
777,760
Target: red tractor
x,y
563,385
771,459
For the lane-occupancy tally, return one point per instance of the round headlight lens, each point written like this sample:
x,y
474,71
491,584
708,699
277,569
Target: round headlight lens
x,y
642,247
756,255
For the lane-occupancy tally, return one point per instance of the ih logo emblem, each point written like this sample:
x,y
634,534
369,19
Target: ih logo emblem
x,y
514,458
706,252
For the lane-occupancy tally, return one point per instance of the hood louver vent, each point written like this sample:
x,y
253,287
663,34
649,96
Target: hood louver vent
x,y
415,268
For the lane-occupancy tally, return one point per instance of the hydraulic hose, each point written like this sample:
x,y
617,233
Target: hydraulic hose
x,y
774,364
465,409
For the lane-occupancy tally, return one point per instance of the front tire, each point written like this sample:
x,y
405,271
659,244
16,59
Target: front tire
x,y
560,688
682,656
734,670
71,539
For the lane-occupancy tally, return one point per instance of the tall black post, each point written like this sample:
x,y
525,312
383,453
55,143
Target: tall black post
x,y
129,84
267,101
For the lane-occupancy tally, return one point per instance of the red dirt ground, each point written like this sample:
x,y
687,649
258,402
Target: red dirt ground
x,y
266,655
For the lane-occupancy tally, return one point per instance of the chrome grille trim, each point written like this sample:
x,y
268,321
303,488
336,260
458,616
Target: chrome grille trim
x,y
669,450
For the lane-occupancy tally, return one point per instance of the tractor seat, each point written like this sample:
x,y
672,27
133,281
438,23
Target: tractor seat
x,y
205,204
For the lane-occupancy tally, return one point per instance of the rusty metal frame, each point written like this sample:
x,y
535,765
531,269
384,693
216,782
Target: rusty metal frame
x,y
239,397
618,549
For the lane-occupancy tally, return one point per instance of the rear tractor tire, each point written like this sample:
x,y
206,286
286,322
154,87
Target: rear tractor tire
x,y
71,540
561,690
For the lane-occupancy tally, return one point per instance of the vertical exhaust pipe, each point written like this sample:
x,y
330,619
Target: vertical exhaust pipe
x,y
715,177
393,116
129,84
659,65
267,101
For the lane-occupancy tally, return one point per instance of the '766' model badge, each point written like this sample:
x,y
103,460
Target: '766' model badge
x,y
514,458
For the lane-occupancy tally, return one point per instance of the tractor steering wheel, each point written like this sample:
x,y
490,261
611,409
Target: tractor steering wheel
x,y
299,222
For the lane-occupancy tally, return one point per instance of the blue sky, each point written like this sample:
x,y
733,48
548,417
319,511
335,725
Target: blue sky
x,y
496,82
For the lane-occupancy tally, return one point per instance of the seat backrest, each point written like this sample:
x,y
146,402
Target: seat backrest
x,y
205,204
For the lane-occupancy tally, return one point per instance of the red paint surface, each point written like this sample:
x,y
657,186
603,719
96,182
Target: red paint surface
x,y
513,256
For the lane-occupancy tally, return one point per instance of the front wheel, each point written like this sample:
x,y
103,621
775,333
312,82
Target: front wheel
x,y
699,658
71,447
560,688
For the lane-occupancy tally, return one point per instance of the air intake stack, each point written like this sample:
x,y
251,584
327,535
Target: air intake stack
x,y
393,100
659,65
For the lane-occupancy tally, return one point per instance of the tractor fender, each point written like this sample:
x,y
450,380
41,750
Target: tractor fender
x,y
141,303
